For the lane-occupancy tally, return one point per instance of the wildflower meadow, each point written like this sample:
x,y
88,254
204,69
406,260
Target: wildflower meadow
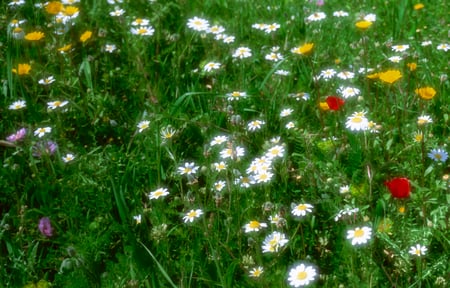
x,y
224,143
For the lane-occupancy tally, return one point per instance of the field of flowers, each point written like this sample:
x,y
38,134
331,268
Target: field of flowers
x,y
224,143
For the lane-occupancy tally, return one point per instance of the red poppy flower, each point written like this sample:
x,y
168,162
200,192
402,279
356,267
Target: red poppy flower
x,y
335,102
399,187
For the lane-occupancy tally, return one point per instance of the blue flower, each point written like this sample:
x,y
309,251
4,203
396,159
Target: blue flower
x,y
438,155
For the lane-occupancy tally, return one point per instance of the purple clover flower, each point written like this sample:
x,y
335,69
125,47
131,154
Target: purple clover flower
x,y
44,148
45,226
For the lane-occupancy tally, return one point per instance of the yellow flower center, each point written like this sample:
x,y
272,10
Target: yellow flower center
x,y
263,176
275,151
257,273
357,119
301,207
254,224
301,275
359,233
142,31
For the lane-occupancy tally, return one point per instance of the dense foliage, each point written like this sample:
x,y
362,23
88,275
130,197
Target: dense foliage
x,y
224,143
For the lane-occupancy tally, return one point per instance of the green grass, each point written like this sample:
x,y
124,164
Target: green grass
x,y
93,201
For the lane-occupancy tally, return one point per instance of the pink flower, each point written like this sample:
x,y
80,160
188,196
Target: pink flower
x,y
319,2
45,226
19,135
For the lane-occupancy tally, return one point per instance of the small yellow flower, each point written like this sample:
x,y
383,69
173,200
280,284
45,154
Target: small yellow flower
x,y
22,69
324,106
363,25
390,76
34,36
373,76
426,93
412,66
64,49
418,6
54,7
401,209
305,49
85,36
70,10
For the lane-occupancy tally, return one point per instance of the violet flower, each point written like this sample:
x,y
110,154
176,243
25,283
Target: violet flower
x,y
45,147
19,135
45,226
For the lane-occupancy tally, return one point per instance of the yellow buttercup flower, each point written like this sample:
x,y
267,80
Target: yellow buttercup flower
x,y
418,6
412,66
85,36
64,49
426,93
54,7
70,10
305,49
324,106
34,36
363,25
373,76
22,69
390,76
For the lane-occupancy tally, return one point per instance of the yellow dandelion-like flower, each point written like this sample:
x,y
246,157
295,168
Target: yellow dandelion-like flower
x,y
71,10
418,6
324,106
34,36
22,69
412,66
426,93
85,36
65,48
373,76
390,76
363,25
54,7
305,49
